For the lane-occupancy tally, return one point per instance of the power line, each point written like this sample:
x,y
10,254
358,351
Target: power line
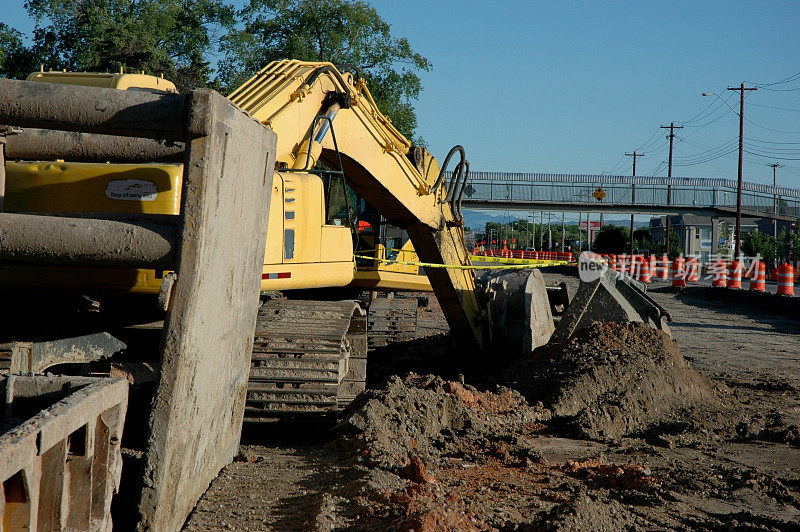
x,y
782,90
770,129
784,80
776,108
770,141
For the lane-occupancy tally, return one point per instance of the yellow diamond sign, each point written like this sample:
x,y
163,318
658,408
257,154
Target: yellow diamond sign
x,y
599,194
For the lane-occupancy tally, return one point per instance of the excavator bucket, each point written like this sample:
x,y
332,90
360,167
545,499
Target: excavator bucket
x,y
525,314
518,308
610,297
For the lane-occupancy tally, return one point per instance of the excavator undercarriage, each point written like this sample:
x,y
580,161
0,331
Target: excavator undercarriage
x,y
309,357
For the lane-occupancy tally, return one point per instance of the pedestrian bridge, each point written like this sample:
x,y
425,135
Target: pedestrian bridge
x,y
510,191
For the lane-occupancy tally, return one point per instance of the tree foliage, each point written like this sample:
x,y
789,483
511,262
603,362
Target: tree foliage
x,y
757,243
177,38
529,235
184,39
611,239
343,32
16,60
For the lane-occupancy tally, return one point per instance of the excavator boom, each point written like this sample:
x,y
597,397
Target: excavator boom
x,y
305,101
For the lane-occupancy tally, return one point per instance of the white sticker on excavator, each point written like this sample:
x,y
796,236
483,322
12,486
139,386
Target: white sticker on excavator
x,y
132,190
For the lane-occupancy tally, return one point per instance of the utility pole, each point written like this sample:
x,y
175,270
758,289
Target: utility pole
x,y
774,201
633,191
541,230
588,231
580,232
563,214
672,127
738,236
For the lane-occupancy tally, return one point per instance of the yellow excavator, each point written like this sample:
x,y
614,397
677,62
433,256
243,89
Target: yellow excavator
x,y
332,141
335,149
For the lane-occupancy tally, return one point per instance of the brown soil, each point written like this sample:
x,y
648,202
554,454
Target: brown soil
x,y
613,380
615,430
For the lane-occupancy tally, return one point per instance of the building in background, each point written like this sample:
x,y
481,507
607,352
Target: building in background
x,y
705,236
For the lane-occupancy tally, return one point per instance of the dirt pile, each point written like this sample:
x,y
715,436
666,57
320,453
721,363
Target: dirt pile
x,y
442,455
613,380
427,417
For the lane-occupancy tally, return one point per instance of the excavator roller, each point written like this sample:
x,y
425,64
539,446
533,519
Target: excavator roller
x,y
308,357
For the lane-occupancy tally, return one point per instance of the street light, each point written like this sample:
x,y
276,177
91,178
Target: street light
x,y
741,89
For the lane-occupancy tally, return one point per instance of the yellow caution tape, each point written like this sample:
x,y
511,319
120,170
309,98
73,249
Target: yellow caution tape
x,y
531,264
508,260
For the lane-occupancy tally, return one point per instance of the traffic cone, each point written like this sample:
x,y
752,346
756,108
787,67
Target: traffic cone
x,y
758,280
735,274
662,267
678,273
720,273
644,270
692,267
786,280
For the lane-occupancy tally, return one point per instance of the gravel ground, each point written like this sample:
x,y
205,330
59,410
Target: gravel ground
x,y
721,462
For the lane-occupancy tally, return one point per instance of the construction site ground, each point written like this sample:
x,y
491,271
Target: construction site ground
x,y
621,428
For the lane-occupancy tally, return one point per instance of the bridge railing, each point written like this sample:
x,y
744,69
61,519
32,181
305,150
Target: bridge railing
x,y
626,194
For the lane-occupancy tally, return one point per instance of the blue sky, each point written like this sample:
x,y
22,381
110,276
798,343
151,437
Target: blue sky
x,y
571,86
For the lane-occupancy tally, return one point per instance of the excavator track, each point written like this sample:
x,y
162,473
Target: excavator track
x,y
309,357
391,320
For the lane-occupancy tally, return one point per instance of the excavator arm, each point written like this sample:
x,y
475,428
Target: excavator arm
x,y
322,115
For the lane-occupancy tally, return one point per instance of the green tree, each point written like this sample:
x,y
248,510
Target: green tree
x,y
641,239
343,32
675,248
757,243
16,60
176,38
611,239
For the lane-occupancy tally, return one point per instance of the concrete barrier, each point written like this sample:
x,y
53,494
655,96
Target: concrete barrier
x,y
217,257
61,464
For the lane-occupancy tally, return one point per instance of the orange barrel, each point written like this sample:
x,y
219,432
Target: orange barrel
x,y
651,263
622,263
517,254
773,274
719,273
644,270
634,266
759,277
662,267
612,262
692,270
735,274
786,280
678,273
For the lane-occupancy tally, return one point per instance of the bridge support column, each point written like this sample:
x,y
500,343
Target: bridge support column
x,y
714,236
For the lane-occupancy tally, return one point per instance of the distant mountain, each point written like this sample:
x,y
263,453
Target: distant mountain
x,y
476,220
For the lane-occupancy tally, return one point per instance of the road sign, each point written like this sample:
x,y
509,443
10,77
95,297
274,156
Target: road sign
x,y
595,225
469,191
599,194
